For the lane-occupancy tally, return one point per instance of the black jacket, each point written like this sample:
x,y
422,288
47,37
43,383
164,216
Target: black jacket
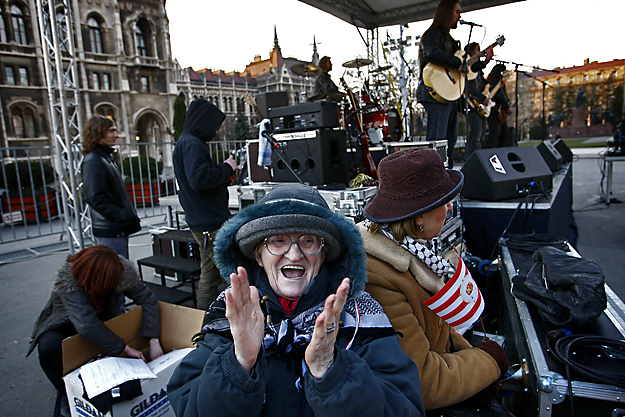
x,y
112,212
68,303
203,184
436,46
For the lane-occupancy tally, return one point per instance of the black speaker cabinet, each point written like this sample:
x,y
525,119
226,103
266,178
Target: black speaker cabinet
x,y
565,151
266,101
320,158
502,173
551,155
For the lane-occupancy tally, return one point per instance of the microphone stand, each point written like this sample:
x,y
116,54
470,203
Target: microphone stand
x,y
466,100
274,147
516,91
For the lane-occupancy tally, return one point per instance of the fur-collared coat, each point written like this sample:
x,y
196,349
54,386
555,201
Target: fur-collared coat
x,y
371,377
451,370
68,303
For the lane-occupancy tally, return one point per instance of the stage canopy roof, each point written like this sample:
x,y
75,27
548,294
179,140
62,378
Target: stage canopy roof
x,y
371,14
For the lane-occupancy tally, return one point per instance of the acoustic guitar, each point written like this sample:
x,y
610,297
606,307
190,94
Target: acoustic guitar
x,y
447,84
367,159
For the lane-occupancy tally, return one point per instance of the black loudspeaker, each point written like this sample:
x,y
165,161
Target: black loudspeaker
x,y
551,155
317,160
565,151
502,173
266,101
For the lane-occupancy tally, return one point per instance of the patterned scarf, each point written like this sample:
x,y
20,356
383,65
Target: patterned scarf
x,y
424,251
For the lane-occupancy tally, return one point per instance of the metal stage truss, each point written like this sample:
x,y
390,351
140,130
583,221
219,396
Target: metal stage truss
x,y
61,70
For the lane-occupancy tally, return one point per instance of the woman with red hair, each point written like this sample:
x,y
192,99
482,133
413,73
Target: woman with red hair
x,y
85,293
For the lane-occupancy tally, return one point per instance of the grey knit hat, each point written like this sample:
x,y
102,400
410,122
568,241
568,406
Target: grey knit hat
x,y
291,208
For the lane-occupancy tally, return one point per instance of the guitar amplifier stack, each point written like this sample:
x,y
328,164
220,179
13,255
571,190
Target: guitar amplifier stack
x,y
306,116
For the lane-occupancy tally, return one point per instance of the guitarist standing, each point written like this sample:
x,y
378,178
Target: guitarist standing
x,y
475,91
498,133
438,46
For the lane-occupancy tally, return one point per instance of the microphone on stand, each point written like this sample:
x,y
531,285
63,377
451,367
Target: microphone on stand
x,y
464,22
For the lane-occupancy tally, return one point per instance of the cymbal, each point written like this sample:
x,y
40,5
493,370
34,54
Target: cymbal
x,y
357,63
380,69
306,69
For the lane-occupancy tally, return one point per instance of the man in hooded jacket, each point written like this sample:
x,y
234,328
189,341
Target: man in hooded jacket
x,y
203,190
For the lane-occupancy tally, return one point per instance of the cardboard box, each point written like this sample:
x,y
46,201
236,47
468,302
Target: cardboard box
x,y
178,325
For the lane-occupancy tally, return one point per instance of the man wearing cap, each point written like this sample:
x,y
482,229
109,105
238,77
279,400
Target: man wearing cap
x,y
409,210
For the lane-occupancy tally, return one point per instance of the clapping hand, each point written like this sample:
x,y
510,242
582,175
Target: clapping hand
x,y
246,319
319,354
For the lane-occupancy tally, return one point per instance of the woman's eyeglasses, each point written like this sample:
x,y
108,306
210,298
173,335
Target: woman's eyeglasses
x,y
279,245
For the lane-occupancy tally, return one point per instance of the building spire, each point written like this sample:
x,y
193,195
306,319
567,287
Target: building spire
x,y
276,46
315,55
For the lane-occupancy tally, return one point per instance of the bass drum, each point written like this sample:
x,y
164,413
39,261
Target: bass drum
x,y
383,125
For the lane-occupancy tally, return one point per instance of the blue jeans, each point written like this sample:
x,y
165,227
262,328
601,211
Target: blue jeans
x,y
443,124
118,244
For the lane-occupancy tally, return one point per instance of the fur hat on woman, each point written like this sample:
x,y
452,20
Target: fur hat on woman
x,y
412,182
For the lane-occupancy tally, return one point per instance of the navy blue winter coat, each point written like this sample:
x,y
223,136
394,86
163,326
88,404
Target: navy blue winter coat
x,y
374,377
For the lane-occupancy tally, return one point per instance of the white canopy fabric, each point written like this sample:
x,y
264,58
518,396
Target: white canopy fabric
x,y
370,14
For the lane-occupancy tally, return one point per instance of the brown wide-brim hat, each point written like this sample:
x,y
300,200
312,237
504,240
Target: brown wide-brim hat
x,y
412,182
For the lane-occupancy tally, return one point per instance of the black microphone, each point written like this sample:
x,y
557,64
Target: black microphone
x,y
464,22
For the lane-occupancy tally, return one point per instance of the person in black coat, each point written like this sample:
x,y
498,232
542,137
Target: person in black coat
x,y
295,334
203,189
86,291
113,215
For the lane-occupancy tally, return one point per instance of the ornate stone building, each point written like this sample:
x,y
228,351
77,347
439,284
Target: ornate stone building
x,y
233,92
124,65
585,100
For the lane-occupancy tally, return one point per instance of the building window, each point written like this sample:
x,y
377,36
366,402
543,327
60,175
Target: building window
x,y
599,76
145,85
571,80
3,30
106,81
613,74
96,81
23,122
95,35
19,25
107,111
10,75
142,31
24,76
60,17
585,77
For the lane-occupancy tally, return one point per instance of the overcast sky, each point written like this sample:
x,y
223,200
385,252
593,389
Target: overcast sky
x,y
547,33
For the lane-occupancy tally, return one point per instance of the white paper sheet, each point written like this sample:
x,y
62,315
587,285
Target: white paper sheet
x,y
102,375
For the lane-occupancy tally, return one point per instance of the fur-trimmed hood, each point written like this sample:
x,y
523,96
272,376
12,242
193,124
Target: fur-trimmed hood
x,y
64,282
350,259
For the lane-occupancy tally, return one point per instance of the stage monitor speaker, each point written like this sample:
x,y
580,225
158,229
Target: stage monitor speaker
x,y
551,155
320,158
266,101
503,173
565,151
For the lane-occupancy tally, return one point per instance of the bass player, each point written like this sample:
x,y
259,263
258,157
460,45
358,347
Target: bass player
x,y
498,133
475,91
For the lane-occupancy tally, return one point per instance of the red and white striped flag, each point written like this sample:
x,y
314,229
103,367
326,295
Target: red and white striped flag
x,y
459,302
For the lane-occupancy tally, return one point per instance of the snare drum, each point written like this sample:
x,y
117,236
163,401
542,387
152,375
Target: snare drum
x,y
383,124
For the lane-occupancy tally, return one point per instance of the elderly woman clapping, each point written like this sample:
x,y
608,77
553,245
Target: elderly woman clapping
x,y
295,334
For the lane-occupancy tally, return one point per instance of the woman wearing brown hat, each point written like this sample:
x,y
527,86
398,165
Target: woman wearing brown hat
x,y
409,211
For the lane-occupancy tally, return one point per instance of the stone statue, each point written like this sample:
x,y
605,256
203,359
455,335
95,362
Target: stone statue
x,y
581,97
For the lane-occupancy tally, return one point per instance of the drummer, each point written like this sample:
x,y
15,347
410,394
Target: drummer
x,y
324,86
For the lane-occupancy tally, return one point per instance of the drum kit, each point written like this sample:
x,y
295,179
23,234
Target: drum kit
x,y
379,117
371,102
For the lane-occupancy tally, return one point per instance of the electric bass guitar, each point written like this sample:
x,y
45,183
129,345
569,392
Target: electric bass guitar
x,y
367,159
447,84
485,109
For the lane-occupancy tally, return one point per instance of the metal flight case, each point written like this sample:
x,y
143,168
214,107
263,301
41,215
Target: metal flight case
x,y
545,386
